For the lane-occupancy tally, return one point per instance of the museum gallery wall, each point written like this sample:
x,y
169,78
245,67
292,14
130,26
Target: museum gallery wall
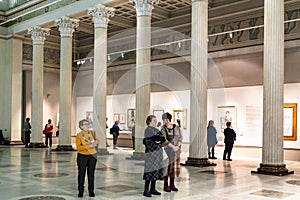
x,y
118,105
247,103
243,103
245,106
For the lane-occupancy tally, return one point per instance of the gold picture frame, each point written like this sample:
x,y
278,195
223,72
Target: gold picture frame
x,y
181,115
290,121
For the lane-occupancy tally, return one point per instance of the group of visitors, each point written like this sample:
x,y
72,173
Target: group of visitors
x,y
162,152
230,137
48,132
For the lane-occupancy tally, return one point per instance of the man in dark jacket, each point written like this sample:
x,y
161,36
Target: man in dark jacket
x,y
230,137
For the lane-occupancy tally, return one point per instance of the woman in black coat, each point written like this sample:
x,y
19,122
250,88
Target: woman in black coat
x,y
153,170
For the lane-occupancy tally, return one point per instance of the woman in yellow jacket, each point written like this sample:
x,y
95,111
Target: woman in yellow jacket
x,y
86,142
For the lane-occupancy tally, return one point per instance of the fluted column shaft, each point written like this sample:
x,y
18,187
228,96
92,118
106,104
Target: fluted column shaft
x,y
38,36
143,69
101,16
273,82
143,76
199,51
66,28
272,153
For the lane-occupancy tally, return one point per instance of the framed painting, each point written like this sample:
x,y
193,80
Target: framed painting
x,y
158,114
122,117
89,117
116,117
130,118
180,117
290,121
226,114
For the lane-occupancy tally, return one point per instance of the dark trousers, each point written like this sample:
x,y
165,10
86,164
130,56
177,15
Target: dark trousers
x,y
27,138
227,151
115,138
48,136
133,142
86,163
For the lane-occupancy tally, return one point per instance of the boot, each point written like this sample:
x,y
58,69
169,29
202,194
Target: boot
x,y
153,190
213,154
166,186
209,156
146,189
172,184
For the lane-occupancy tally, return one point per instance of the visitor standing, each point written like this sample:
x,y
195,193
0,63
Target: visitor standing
x,y
48,131
27,131
230,137
211,139
86,142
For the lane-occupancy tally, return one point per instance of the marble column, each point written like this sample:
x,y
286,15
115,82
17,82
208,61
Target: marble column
x,y
38,36
272,153
143,71
198,135
101,15
66,27
11,51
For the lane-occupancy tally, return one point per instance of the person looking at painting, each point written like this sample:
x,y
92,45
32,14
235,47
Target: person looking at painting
x,y
173,134
115,132
153,141
86,142
211,139
230,137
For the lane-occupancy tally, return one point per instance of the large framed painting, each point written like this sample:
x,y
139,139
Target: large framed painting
x,y
290,121
130,118
180,117
158,114
226,114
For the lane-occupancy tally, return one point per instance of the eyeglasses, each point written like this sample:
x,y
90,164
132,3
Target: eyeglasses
x,y
85,124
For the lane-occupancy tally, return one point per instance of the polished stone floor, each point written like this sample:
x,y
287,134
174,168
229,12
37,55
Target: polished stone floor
x,y
43,174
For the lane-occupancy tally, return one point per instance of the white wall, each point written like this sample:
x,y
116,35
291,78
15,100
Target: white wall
x,y
166,101
249,101
50,96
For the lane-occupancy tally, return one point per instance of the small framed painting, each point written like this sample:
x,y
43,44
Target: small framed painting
x,y
130,118
290,121
116,117
179,117
122,117
158,114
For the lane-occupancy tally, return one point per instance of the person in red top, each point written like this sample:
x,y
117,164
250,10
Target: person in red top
x,y
48,131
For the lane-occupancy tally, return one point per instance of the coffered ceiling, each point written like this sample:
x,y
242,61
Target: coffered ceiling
x,y
175,14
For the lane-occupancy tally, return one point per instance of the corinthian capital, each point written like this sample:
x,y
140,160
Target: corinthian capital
x,y
101,15
144,7
38,34
66,26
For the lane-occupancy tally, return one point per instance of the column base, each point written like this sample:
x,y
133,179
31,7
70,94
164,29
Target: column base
x,y
36,145
137,156
274,170
199,162
64,148
103,152
18,142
